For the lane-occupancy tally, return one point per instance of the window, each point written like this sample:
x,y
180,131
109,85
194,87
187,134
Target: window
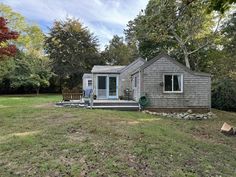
x,y
173,83
135,81
90,83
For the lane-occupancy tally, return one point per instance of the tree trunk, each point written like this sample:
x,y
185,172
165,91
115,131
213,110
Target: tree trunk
x,y
186,59
37,91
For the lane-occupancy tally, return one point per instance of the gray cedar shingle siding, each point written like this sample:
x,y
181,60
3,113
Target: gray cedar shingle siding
x,y
125,75
196,86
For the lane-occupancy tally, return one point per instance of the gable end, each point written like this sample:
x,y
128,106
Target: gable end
x,y
163,55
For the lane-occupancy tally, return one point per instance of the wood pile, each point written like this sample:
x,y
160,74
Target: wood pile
x,y
228,129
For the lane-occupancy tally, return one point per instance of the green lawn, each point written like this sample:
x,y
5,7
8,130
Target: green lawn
x,y
37,139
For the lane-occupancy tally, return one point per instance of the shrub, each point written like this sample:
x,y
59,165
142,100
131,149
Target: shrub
x,y
224,94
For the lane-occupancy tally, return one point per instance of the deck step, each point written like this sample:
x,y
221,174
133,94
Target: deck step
x,y
118,105
124,107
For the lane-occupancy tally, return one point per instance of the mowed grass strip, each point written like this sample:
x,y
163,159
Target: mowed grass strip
x,y
38,139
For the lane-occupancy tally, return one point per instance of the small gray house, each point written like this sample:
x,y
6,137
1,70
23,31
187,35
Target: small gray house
x,y
165,82
110,82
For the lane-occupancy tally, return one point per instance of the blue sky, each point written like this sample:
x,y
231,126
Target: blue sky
x,y
104,18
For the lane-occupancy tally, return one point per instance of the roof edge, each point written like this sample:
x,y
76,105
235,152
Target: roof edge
x,y
132,63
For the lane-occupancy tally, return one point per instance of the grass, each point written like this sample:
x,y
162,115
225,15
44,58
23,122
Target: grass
x,y
38,139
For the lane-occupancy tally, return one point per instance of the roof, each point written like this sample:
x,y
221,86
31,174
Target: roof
x,y
135,71
133,63
107,69
87,75
173,61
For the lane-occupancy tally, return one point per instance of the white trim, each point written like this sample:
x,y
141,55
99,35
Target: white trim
x,y
139,77
88,79
116,96
182,83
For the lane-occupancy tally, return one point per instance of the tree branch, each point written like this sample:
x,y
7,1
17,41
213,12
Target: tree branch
x,y
189,53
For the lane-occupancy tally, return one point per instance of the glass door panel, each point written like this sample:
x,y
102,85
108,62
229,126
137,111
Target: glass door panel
x,y
113,87
102,86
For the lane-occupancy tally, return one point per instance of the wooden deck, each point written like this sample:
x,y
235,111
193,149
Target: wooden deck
x,y
102,104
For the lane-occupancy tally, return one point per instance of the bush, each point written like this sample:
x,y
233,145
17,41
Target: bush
x,y
224,94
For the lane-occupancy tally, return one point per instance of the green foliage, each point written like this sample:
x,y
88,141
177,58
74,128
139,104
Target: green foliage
x,y
220,60
30,72
119,53
31,36
6,67
220,5
72,50
224,94
30,68
174,27
228,31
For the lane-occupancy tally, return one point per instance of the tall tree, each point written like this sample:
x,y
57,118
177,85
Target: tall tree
x,y
179,28
72,50
30,72
117,52
6,35
31,39
228,31
30,67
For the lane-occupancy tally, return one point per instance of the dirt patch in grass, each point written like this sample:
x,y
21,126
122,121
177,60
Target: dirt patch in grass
x,y
44,106
133,122
76,135
5,138
3,106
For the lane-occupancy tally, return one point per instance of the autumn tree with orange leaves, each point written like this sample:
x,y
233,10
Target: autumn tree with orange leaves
x,y
6,35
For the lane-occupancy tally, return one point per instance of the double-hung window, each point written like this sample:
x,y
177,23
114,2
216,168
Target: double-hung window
x,y
89,82
173,83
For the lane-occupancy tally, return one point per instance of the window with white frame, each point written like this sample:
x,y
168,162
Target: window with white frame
x,y
89,82
173,83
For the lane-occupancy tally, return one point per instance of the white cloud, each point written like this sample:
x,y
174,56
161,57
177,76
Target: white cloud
x,y
104,18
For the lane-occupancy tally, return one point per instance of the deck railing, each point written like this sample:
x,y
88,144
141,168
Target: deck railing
x,y
71,94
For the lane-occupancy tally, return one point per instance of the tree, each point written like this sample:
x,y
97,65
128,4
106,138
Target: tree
x,y
220,5
30,68
229,33
221,60
31,38
179,28
72,50
223,94
6,35
119,53
6,67
30,73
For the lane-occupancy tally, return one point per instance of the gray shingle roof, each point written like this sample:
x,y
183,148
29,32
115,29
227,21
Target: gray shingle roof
x,y
107,69
87,75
